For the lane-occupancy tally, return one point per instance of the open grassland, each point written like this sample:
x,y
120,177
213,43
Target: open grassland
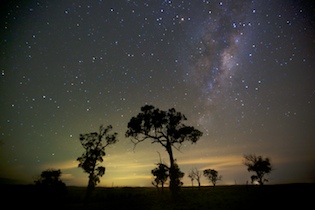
x,y
291,196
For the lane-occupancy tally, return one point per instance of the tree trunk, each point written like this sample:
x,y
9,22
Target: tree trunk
x,y
91,184
173,185
89,188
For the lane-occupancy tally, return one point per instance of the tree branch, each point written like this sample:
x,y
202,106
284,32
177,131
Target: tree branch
x,y
137,141
177,148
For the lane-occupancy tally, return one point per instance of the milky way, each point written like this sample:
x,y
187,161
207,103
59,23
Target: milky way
x,y
241,71
216,47
219,41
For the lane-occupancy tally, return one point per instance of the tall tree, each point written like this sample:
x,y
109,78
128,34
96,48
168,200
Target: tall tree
x,y
165,128
194,174
259,165
212,175
94,145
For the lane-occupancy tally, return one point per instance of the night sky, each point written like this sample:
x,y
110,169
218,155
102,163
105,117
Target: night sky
x,y
242,72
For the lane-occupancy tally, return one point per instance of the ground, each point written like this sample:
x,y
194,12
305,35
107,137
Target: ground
x,y
291,196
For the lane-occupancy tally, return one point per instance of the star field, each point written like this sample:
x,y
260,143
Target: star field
x,y
241,72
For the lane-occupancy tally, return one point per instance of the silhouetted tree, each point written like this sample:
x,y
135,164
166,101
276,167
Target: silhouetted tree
x,y
94,145
259,165
194,174
161,174
50,184
178,175
191,179
165,128
212,175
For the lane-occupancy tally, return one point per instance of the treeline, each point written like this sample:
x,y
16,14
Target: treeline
x,y
164,128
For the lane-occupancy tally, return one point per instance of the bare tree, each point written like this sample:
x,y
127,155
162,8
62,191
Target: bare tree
x,y
194,174
191,179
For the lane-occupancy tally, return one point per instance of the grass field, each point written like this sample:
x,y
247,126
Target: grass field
x,y
291,196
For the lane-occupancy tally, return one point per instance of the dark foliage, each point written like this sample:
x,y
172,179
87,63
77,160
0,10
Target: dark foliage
x,y
49,183
94,145
212,175
165,128
259,165
178,175
161,174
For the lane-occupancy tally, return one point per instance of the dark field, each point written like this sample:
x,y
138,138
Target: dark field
x,y
291,196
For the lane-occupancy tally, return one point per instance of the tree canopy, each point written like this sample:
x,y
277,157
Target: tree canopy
x,y
49,182
165,128
161,173
94,144
212,175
